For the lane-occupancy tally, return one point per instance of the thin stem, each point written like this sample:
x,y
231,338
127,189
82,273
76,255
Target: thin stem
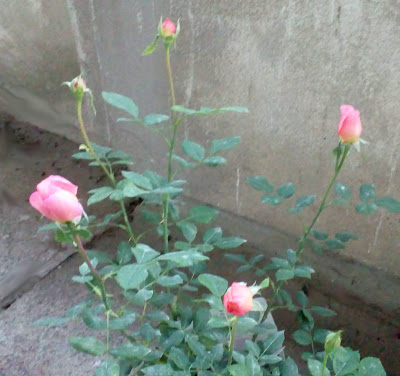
x,y
232,340
108,173
324,363
94,272
301,245
171,149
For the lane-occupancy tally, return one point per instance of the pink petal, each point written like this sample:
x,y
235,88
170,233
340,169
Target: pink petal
x,y
53,183
37,203
62,206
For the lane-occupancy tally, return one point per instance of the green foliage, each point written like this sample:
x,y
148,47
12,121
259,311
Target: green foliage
x,y
88,345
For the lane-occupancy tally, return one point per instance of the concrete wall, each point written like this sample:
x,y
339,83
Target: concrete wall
x,y
292,63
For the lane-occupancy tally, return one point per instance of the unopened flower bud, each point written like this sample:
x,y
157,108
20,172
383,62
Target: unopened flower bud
x,y
168,28
332,341
79,88
349,128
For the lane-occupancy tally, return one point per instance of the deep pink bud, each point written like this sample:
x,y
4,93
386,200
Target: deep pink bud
x,y
238,300
168,28
55,198
349,128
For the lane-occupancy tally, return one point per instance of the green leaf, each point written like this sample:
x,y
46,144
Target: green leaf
x,y
344,360
82,279
291,256
254,367
202,214
334,244
302,337
256,259
215,284
287,190
122,102
305,201
88,345
273,342
252,348
93,321
174,339
236,258
131,276
138,179
345,236
281,262
245,324
239,370
342,190
123,322
322,311
264,284
151,216
215,160
51,321
212,235
193,150
319,235
183,258
366,208
102,257
167,281
224,144
229,243
188,229
340,201
77,309
184,110
367,192
129,351
320,335
179,358
290,368
315,368
371,367
260,183
144,253
183,162
150,48
270,359
303,271
124,253
271,199
99,194
83,155
158,370
302,299
153,119
389,203
108,367
284,274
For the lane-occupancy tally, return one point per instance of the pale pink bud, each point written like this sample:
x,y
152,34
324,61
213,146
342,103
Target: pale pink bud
x,y
168,28
55,198
238,300
349,128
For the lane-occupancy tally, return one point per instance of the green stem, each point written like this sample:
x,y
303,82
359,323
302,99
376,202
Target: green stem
x,y
108,173
232,340
94,272
324,363
307,231
171,148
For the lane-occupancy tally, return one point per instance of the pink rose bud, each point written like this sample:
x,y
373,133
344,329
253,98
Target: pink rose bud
x,y
55,198
168,28
349,128
238,300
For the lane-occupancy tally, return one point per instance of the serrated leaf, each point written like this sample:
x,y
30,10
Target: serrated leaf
x,y
82,279
345,236
229,243
183,162
88,345
367,192
93,321
371,367
389,203
158,370
131,276
320,335
284,274
322,311
290,368
303,271
129,351
153,119
174,339
270,359
334,244
215,284
366,208
342,190
286,190
184,110
319,235
344,360
138,179
169,281
188,229
214,161
123,322
184,258
315,368
302,337
291,256
202,214
108,367
305,201
273,342
224,144
124,253
212,235
193,150
302,299
281,262
99,194
143,253
239,370
260,183
122,102
178,357
271,199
